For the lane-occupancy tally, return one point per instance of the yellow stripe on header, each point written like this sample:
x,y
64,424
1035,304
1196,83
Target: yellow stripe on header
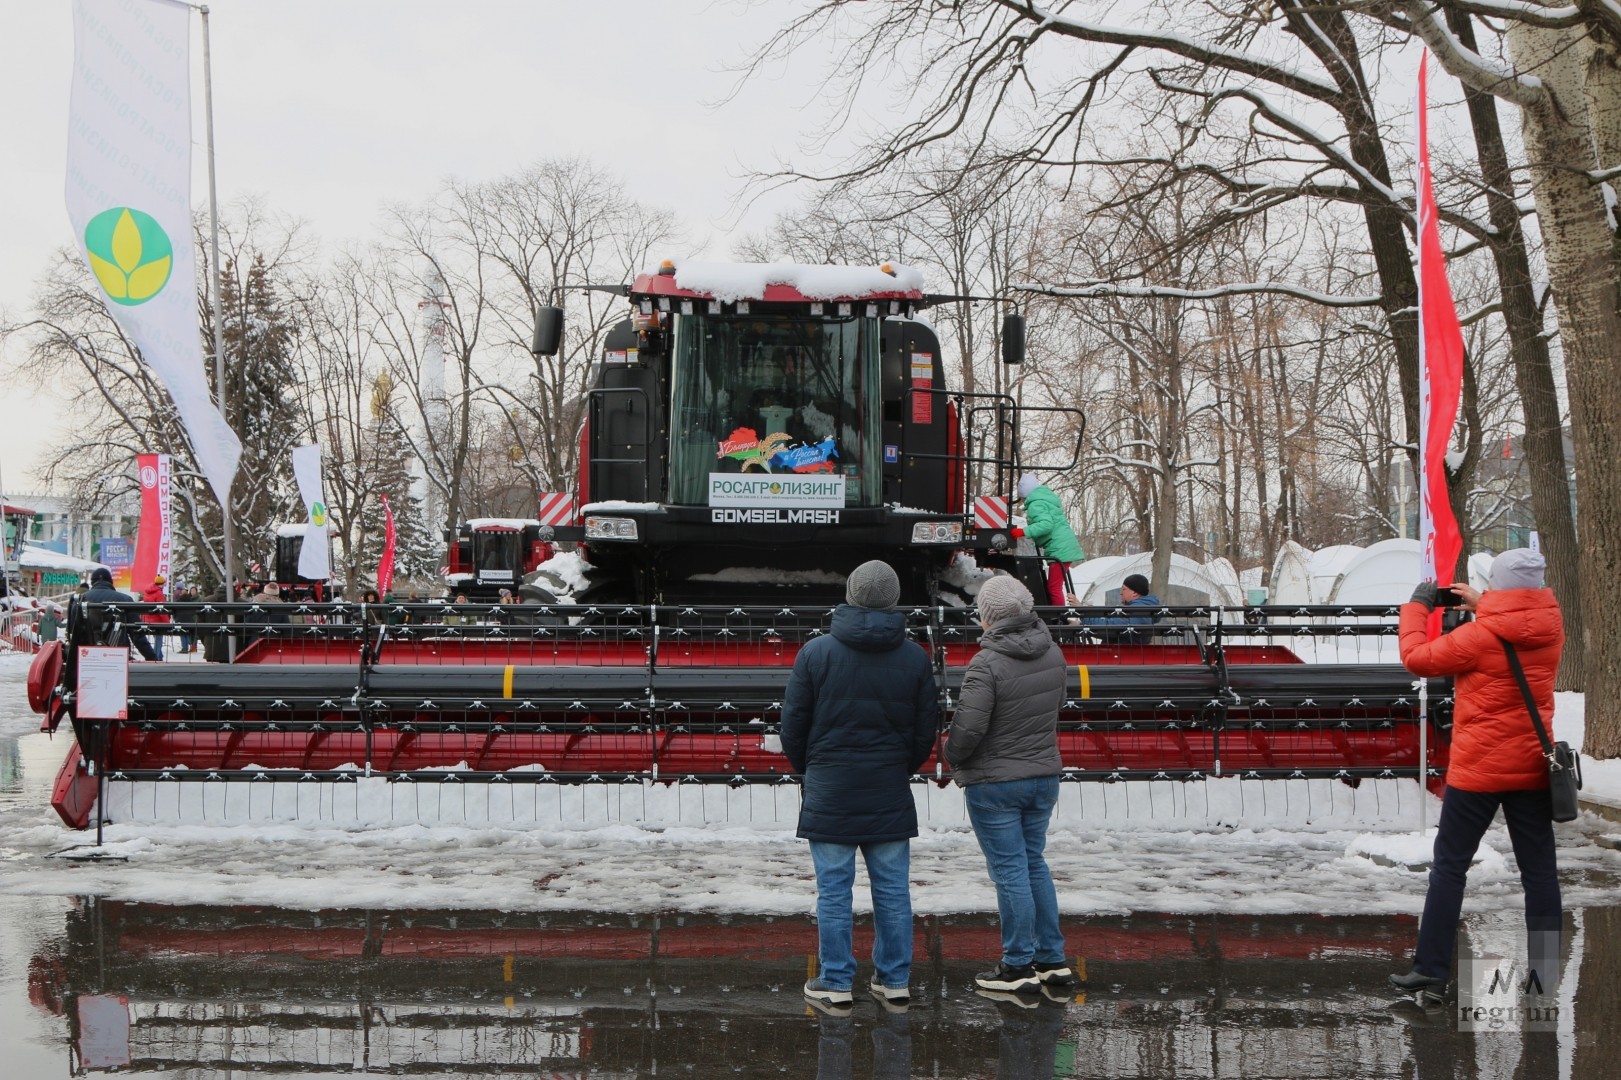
x,y
1086,680
506,682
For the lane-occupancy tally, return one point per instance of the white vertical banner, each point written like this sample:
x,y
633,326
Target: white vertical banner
x,y
129,198
315,557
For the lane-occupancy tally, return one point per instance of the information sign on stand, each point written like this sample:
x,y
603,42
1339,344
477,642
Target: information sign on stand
x,y
103,691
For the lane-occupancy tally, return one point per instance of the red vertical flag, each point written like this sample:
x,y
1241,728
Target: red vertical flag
x,y
385,565
1440,370
154,537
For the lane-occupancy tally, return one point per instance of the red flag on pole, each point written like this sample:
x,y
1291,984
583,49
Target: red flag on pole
x,y
1440,371
154,537
385,565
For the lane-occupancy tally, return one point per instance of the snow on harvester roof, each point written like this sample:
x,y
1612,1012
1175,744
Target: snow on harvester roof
x,y
786,282
512,524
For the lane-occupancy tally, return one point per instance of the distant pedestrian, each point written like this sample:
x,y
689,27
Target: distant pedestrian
x,y
1003,752
268,610
50,623
155,593
859,718
110,630
1046,525
1496,756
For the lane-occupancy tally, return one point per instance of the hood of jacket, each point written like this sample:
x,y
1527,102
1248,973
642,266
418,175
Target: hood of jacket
x,y
869,629
1146,600
1023,637
1526,617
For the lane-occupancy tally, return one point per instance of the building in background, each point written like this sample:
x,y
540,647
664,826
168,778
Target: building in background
x,y
68,529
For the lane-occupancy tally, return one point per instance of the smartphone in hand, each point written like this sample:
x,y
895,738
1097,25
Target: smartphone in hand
x,y
1445,597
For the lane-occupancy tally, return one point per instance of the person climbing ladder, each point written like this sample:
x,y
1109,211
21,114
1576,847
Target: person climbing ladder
x,y
1047,526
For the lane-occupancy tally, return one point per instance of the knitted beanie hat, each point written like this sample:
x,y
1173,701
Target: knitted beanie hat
x,y
1028,483
1136,583
1517,568
873,585
1003,597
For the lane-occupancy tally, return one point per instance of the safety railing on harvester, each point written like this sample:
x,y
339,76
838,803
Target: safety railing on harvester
x,y
559,694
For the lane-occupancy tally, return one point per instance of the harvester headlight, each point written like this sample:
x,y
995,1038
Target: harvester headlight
x,y
937,532
610,528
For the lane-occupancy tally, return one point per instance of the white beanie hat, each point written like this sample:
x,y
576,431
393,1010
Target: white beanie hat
x,y
1517,568
1028,483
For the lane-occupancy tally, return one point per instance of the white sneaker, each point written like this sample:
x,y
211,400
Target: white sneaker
x,y
898,996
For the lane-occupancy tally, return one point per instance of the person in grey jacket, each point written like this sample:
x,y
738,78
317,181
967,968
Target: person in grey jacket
x,y
1003,751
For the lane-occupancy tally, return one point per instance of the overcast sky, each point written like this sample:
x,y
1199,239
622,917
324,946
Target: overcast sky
x,y
328,108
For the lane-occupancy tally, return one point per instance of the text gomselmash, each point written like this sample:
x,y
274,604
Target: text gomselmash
x,y
771,515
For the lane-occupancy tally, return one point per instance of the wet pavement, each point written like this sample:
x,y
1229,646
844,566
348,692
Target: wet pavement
x,y
88,986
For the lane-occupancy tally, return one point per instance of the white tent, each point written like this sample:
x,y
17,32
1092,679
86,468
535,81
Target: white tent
x,y
1384,573
1326,566
1291,575
1480,568
1189,584
1090,579
1221,573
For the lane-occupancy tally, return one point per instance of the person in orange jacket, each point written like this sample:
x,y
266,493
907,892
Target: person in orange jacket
x,y
156,594
1497,759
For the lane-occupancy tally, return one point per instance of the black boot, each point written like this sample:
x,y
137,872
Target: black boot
x,y
1422,987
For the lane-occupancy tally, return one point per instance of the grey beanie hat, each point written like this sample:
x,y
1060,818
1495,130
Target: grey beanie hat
x,y
873,585
1003,597
1517,568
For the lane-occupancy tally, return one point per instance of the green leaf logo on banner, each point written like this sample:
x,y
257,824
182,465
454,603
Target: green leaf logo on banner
x,y
317,514
130,253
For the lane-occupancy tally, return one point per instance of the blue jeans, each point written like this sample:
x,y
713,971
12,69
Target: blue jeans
x,y
1465,817
1010,819
889,869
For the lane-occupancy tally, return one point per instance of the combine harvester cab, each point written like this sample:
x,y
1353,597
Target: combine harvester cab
x,y
752,435
487,555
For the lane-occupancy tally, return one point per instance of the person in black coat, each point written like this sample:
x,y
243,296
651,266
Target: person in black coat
x,y
102,592
859,719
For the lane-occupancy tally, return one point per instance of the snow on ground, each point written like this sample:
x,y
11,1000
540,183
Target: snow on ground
x,y
1601,778
1220,845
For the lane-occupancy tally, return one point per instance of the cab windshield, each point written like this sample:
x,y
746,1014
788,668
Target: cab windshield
x,y
763,395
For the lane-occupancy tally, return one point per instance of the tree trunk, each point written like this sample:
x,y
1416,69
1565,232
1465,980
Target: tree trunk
x,y
1544,444
1581,269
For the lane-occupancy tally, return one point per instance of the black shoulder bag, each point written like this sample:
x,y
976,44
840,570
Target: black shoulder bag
x,y
1564,766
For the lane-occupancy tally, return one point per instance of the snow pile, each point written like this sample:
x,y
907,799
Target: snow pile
x,y
1601,778
1413,851
570,568
731,282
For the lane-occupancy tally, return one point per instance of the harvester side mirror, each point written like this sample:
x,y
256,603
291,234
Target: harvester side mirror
x,y
1013,338
548,331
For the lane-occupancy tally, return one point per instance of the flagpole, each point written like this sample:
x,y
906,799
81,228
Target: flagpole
x,y
214,297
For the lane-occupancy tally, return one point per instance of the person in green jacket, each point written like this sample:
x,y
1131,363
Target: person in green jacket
x,y
1047,526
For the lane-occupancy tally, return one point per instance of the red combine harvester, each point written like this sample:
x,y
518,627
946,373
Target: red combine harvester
x,y
753,434
487,555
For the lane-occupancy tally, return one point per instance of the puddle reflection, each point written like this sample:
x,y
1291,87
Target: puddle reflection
x,y
207,990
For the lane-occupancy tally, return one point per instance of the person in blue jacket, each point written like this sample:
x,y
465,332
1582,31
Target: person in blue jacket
x,y
1133,594
859,719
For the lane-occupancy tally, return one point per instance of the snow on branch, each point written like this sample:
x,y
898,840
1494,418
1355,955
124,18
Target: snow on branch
x,y
1202,52
1474,70
1090,290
